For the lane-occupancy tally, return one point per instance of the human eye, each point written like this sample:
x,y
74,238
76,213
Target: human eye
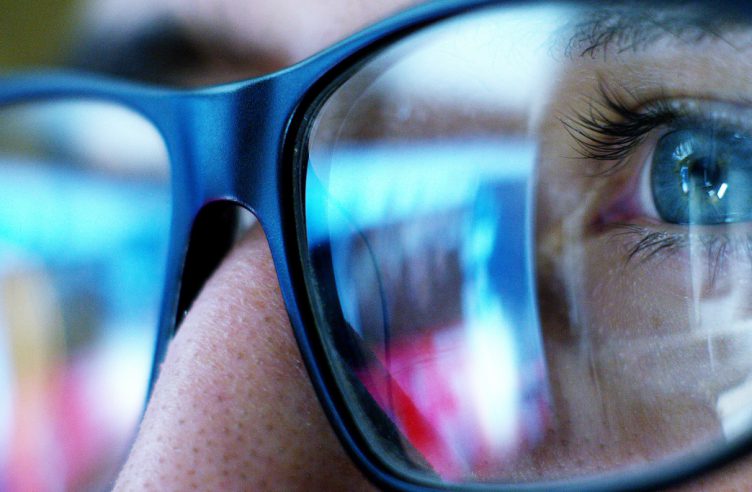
x,y
681,170
702,176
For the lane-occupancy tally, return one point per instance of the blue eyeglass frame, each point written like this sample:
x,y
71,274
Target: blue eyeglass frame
x,y
243,143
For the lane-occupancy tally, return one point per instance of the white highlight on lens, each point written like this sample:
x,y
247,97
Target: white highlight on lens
x,y
118,376
101,135
505,52
494,371
735,410
722,190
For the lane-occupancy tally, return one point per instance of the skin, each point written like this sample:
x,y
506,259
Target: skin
x,y
233,408
240,415
641,330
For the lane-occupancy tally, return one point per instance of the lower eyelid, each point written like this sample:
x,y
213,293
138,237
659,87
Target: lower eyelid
x,y
639,243
711,246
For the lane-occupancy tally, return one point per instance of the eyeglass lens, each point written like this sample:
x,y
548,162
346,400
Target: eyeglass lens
x,y
84,225
529,242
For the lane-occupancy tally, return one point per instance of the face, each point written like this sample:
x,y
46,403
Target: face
x,y
650,276
233,408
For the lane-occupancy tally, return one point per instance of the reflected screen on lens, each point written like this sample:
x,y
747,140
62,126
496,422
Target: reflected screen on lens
x,y
84,223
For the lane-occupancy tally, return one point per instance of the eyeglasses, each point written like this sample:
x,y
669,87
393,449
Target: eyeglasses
x,y
513,241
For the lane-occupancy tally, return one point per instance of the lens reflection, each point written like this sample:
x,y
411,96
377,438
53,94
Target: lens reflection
x,y
84,222
529,247
435,283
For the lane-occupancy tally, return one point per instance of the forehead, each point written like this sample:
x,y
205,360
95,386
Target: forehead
x,y
285,30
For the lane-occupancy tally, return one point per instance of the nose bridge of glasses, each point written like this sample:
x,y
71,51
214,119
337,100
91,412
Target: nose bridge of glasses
x,y
228,140
233,137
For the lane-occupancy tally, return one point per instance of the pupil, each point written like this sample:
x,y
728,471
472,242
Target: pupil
x,y
704,174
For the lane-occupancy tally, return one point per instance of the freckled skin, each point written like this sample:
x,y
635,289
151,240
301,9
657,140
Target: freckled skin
x,y
233,408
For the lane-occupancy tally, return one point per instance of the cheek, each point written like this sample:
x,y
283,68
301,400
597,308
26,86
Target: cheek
x,y
677,321
651,355
646,357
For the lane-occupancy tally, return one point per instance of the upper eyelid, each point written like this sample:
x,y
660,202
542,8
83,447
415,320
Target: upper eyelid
x,y
617,121
612,126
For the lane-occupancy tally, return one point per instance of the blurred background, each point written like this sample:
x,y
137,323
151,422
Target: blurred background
x,y
36,33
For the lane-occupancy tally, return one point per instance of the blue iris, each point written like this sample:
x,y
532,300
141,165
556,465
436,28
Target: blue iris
x,y
702,176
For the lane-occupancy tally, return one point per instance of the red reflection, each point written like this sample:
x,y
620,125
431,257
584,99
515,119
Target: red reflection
x,y
58,435
57,441
424,384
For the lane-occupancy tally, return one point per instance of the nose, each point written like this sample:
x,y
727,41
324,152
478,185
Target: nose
x,y
233,408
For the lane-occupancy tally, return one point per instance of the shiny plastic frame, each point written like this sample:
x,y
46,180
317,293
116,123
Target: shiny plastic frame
x,y
244,143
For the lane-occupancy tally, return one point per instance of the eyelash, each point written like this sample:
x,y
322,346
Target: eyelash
x,y
609,132
718,248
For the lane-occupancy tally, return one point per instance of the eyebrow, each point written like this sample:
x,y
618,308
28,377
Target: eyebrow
x,y
625,28
164,52
157,53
